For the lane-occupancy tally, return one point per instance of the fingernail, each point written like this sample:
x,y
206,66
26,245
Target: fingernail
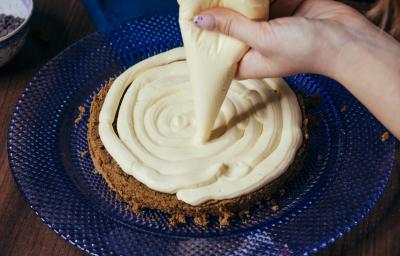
x,y
205,21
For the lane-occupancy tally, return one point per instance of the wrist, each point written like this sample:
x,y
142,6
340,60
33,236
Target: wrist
x,y
374,56
369,68
334,50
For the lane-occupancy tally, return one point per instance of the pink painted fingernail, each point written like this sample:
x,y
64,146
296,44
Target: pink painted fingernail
x,y
205,21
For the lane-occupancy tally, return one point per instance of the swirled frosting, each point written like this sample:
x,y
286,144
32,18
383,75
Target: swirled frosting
x,y
254,140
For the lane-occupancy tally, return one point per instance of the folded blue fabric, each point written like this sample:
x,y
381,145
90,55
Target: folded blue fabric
x,y
107,14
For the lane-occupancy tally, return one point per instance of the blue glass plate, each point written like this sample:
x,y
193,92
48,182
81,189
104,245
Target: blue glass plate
x,y
346,168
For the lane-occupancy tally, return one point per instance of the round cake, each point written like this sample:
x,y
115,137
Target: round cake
x,y
140,138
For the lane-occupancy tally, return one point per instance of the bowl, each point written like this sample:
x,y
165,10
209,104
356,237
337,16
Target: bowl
x,y
11,43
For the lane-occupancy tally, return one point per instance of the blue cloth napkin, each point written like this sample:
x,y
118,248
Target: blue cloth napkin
x,y
107,14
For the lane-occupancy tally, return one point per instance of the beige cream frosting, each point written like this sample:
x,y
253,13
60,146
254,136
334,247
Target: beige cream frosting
x,y
253,141
213,57
245,137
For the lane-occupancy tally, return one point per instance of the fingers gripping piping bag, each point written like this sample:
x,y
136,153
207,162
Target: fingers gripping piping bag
x,y
213,57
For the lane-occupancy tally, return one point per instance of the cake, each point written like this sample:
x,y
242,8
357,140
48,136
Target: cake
x,y
139,196
177,133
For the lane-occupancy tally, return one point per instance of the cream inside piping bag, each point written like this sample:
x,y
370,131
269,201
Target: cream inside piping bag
x,y
212,57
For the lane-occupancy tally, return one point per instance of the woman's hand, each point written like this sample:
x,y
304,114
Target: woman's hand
x,y
324,37
309,41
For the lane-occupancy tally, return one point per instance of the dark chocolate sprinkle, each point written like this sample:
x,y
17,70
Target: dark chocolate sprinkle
x,y
9,23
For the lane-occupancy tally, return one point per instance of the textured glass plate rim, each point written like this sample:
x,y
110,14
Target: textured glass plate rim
x,y
365,211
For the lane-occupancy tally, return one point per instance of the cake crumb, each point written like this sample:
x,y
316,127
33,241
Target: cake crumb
x,y
305,121
80,115
275,208
172,222
385,136
177,219
224,219
201,220
344,109
84,154
306,135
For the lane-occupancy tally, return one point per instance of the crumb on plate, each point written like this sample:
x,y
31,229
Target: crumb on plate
x,y
80,115
385,136
84,154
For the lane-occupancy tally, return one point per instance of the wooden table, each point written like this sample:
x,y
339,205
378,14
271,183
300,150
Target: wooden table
x,y
62,22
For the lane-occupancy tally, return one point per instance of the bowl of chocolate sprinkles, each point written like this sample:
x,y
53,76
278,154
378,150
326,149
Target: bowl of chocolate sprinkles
x,y
14,20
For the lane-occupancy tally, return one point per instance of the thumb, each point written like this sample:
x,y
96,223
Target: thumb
x,y
232,24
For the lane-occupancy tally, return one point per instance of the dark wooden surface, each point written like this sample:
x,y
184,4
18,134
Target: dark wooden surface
x,y
23,233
